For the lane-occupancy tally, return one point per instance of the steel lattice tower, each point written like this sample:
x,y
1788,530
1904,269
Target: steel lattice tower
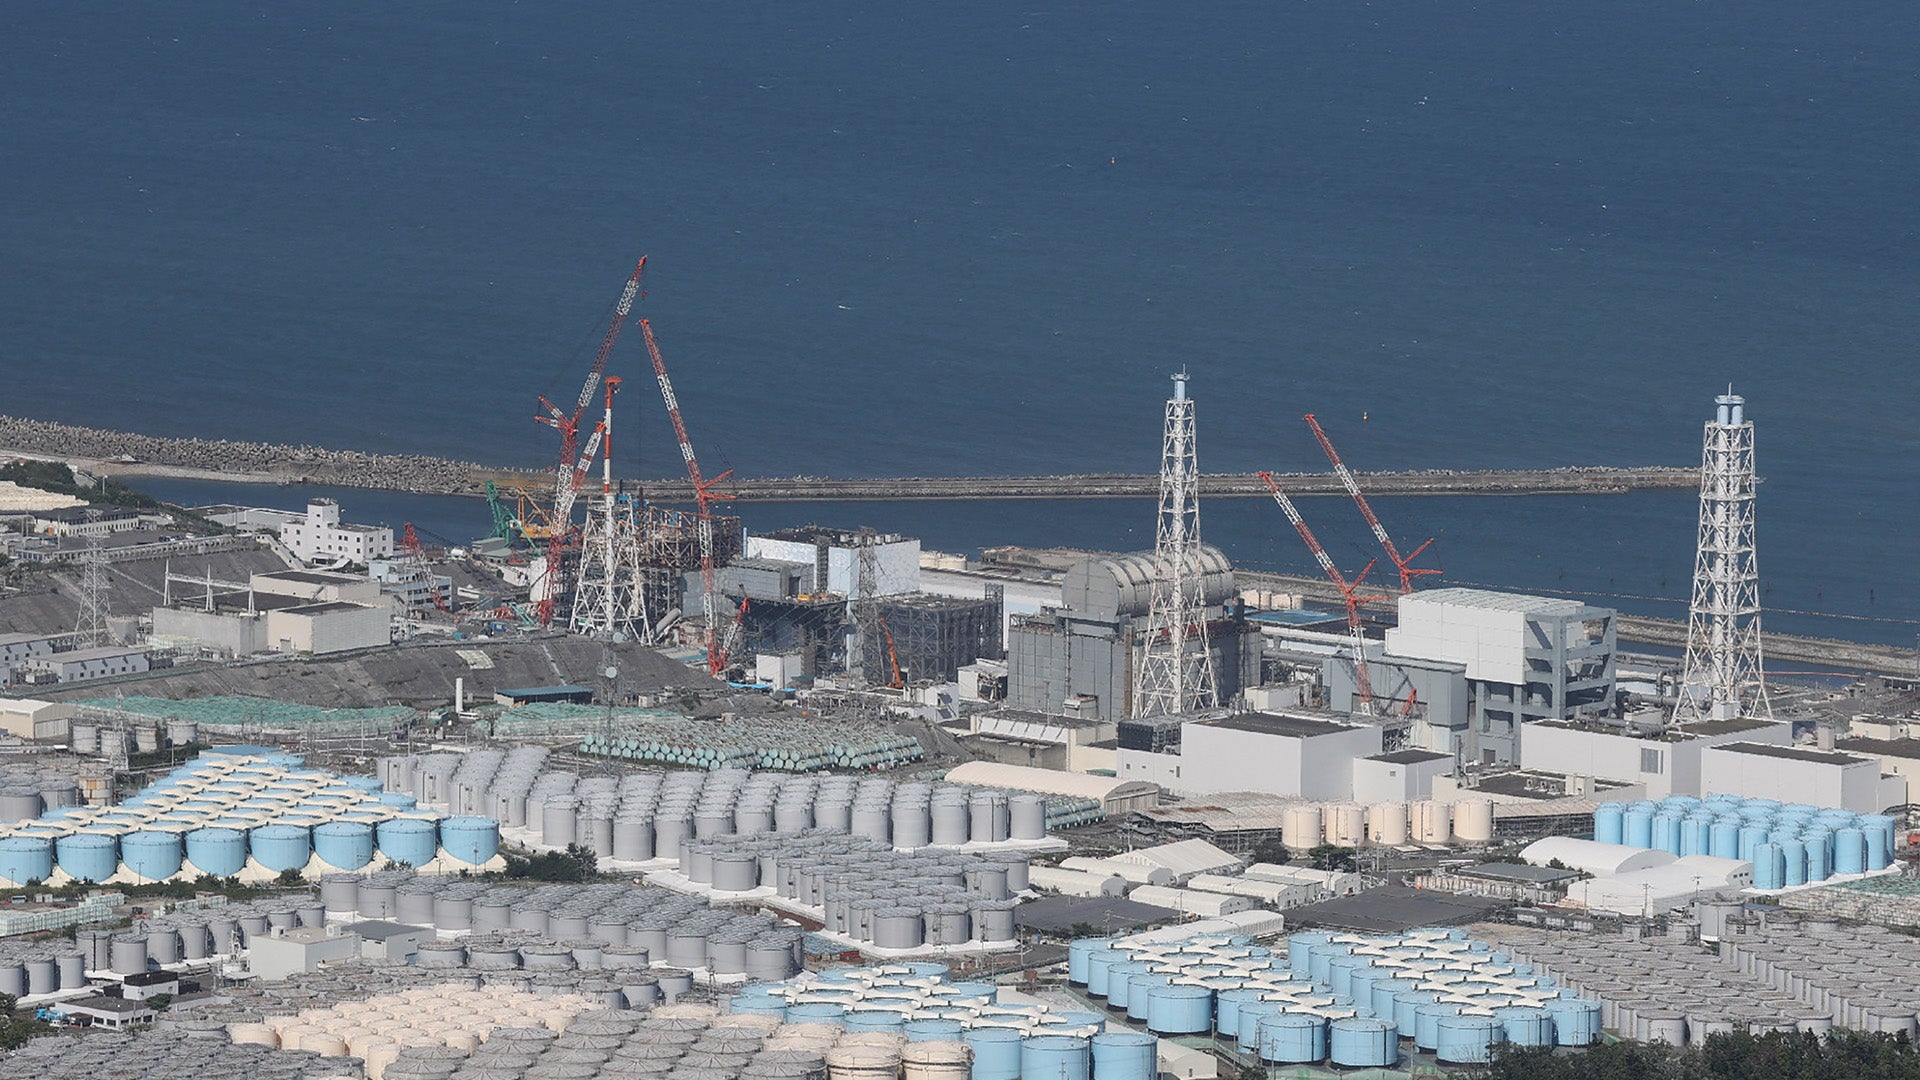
x,y
609,598
91,631
1723,676
1173,676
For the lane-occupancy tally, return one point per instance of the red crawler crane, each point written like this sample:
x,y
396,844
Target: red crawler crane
x,y
570,474
1349,591
704,497
1407,573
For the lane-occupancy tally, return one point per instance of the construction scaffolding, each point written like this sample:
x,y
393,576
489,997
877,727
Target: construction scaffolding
x,y
815,626
930,638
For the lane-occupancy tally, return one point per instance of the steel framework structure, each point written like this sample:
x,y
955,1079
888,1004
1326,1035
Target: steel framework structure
x,y
1173,676
1723,675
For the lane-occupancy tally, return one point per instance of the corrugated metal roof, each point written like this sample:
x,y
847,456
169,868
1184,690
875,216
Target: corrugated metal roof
x,y
1184,858
1497,601
1046,781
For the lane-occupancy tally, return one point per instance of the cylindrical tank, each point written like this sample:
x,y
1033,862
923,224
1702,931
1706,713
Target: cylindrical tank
x,y
1609,823
1067,1057
43,977
471,840
280,848
1125,1055
1526,1025
1431,822
1637,827
1300,827
346,845
1363,1042
151,854
1179,1010
1345,824
88,856
1819,857
1473,821
1387,823
408,841
1028,818
1769,866
340,892
217,852
861,1061
129,954
1292,1038
1849,851
377,899
73,971
26,858
13,980
20,804
996,1052
1576,1021
1468,1039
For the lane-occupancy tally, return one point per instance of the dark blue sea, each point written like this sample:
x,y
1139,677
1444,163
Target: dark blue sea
x,y
963,238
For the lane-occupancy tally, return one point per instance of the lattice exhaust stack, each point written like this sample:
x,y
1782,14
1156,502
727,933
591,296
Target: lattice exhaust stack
x,y
1723,676
1174,675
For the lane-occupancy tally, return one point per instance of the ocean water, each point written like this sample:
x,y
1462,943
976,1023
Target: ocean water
x,y
976,238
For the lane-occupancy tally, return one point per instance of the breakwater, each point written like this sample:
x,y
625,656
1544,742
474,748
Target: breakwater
x,y
127,454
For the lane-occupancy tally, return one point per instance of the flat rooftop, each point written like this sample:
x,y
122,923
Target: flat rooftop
x,y
1393,909
1793,753
1724,727
310,577
380,929
1293,617
1283,725
1489,600
328,608
1900,748
1518,873
1411,757
105,652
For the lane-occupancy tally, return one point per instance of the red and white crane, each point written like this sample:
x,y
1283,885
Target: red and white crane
x,y
1349,591
1407,573
570,474
704,499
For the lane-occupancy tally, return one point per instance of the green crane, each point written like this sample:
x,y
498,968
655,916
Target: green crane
x,y
503,519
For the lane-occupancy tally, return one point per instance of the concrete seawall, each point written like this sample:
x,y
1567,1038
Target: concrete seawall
x,y
121,453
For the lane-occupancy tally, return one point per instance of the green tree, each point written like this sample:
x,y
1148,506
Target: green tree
x,y
1333,857
160,1002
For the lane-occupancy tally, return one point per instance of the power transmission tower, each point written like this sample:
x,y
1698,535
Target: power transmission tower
x,y
94,586
866,604
1173,676
1723,676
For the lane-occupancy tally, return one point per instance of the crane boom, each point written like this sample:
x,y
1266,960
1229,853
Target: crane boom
x,y
1407,573
569,474
704,497
1349,591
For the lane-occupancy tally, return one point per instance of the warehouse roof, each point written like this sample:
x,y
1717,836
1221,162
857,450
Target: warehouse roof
x,y
1411,757
1592,856
1047,781
1185,857
1286,725
1900,748
1791,753
310,577
326,608
1498,601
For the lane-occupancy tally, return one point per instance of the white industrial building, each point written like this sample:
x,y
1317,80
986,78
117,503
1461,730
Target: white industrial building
x,y
307,612
1399,776
835,556
17,647
80,664
1592,856
1795,774
1300,753
1665,760
1655,889
1118,795
1526,659
317,536
1076,882
1042,740
26,718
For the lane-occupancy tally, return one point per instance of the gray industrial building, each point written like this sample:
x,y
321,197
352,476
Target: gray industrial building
x,y
931,637
1078,659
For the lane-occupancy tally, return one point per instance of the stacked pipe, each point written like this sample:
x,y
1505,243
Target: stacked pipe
x,y
1344,998
1782,973
1789,844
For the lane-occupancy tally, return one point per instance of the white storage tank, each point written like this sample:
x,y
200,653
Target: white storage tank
x,y
1431,822
1473,821
1387,823
1345,824
1300,827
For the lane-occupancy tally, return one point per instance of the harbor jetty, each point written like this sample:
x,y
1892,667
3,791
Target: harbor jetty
x,y
119,453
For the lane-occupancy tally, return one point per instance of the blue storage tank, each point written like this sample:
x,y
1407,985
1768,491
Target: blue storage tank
x,y
1819,857
1321,969
281,847
818,1012
1609,823
408,841
1638,827
1077,952
1363,1042
1300,948
88,856
1849,852
1126,1055
1340,971
401,799
1226,1009
1406,1011
1100,964
1385,991
1361,986
758,1005
1885,825
151,854
1576,1021
1179,1010
1138,987
1526,1025
1426,1023
1769,866
1724,839
1879,855
996,1052
1793,856
934,1030
1068,1057
1468,1039
1696,836
26,858
471,840
888,1020
219,852
345,844
1251,1017
1120,982
1666,832
368,784
1751,836
1293,1038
